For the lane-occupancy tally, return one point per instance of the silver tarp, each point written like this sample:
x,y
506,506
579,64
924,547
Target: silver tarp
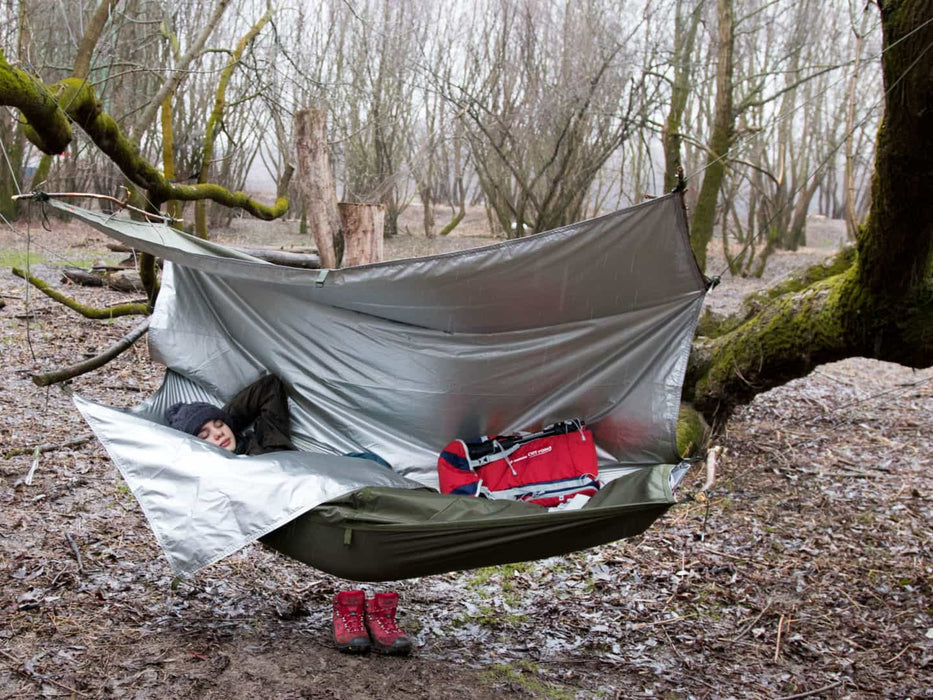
x,y
592,320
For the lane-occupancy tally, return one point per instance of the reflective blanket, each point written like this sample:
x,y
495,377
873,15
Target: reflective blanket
x,y
593,320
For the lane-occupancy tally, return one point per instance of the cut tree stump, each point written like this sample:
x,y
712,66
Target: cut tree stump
x,y
363,226
316,185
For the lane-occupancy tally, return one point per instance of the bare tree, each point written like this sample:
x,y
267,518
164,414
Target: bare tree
x,y
548,94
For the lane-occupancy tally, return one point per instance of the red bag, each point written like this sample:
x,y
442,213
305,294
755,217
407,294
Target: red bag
x,y
547,468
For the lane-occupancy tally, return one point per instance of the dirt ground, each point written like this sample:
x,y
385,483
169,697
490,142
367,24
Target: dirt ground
x,y
808,574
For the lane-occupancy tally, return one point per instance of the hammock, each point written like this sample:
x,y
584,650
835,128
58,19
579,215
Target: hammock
x,y
592,320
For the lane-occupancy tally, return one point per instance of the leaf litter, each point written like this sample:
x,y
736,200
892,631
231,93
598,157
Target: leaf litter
x,y
807,574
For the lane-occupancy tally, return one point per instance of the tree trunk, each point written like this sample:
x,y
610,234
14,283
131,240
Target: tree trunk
x,y
363,233
671,137
317,187
704,217
882,305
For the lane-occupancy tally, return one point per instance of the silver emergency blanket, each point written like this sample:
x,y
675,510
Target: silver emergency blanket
x,y
592,320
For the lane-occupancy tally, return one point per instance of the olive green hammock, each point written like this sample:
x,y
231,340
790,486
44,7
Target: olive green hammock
x,y
593,320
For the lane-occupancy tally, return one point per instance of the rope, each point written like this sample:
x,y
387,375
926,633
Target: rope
x,y
27,286
48,252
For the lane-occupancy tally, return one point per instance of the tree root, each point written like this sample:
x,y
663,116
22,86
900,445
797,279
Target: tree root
x,y
86,311
75,370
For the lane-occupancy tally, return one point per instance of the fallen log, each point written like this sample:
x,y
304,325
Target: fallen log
x,y
119,280
281,257
125,281
303,257
82,277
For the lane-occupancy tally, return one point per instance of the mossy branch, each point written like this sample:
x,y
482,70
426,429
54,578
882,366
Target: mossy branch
x,y
47,126
713,325
84,108
692,432
149,277
91,36
452,224
830,320
47,111
215,119
84,310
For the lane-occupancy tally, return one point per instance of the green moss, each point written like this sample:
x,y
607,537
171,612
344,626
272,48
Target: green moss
x,y
504,573
18,258
789,337
525,675
692,431
131,309
488,616
713,325
47,126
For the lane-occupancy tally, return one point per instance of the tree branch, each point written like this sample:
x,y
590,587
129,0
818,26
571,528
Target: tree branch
x,y
75,370
178,74
48,127
91,36
215,119
86,311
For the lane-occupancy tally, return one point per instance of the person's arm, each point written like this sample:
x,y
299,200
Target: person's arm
x,y
263,404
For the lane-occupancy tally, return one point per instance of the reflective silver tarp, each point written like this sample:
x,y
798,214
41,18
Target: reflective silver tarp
x,y
592,320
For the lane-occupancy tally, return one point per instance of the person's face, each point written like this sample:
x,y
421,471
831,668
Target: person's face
x,y
218,433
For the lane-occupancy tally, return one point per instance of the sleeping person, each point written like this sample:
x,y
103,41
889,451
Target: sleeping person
x,y
359,623
262,405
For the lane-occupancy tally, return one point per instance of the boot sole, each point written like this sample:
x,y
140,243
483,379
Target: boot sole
x,y
353,647
391,650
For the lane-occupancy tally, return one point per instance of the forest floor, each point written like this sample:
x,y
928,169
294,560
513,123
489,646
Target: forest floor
x,y
808,574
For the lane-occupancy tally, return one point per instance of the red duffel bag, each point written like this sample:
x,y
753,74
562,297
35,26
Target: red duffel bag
x,y
547,468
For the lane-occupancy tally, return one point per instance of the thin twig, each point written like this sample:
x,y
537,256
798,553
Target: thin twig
x,y
744,560
671,642
48,447
777,647
899,655
77,553
752,623
815,691
122,203
642,625
21,669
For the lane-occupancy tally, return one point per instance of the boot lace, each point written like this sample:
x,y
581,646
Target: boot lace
x,y
388,625
352,621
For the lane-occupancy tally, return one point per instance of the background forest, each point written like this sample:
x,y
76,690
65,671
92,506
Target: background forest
x,y
543,112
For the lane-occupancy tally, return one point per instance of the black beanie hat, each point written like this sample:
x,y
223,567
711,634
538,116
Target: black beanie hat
x,y
189,417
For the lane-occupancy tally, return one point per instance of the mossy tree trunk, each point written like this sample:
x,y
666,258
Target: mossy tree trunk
x,y
685,31
215,121
880,306
723,134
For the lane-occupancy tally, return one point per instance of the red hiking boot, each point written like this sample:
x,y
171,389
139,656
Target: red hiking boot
x,y
349,630
386,637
